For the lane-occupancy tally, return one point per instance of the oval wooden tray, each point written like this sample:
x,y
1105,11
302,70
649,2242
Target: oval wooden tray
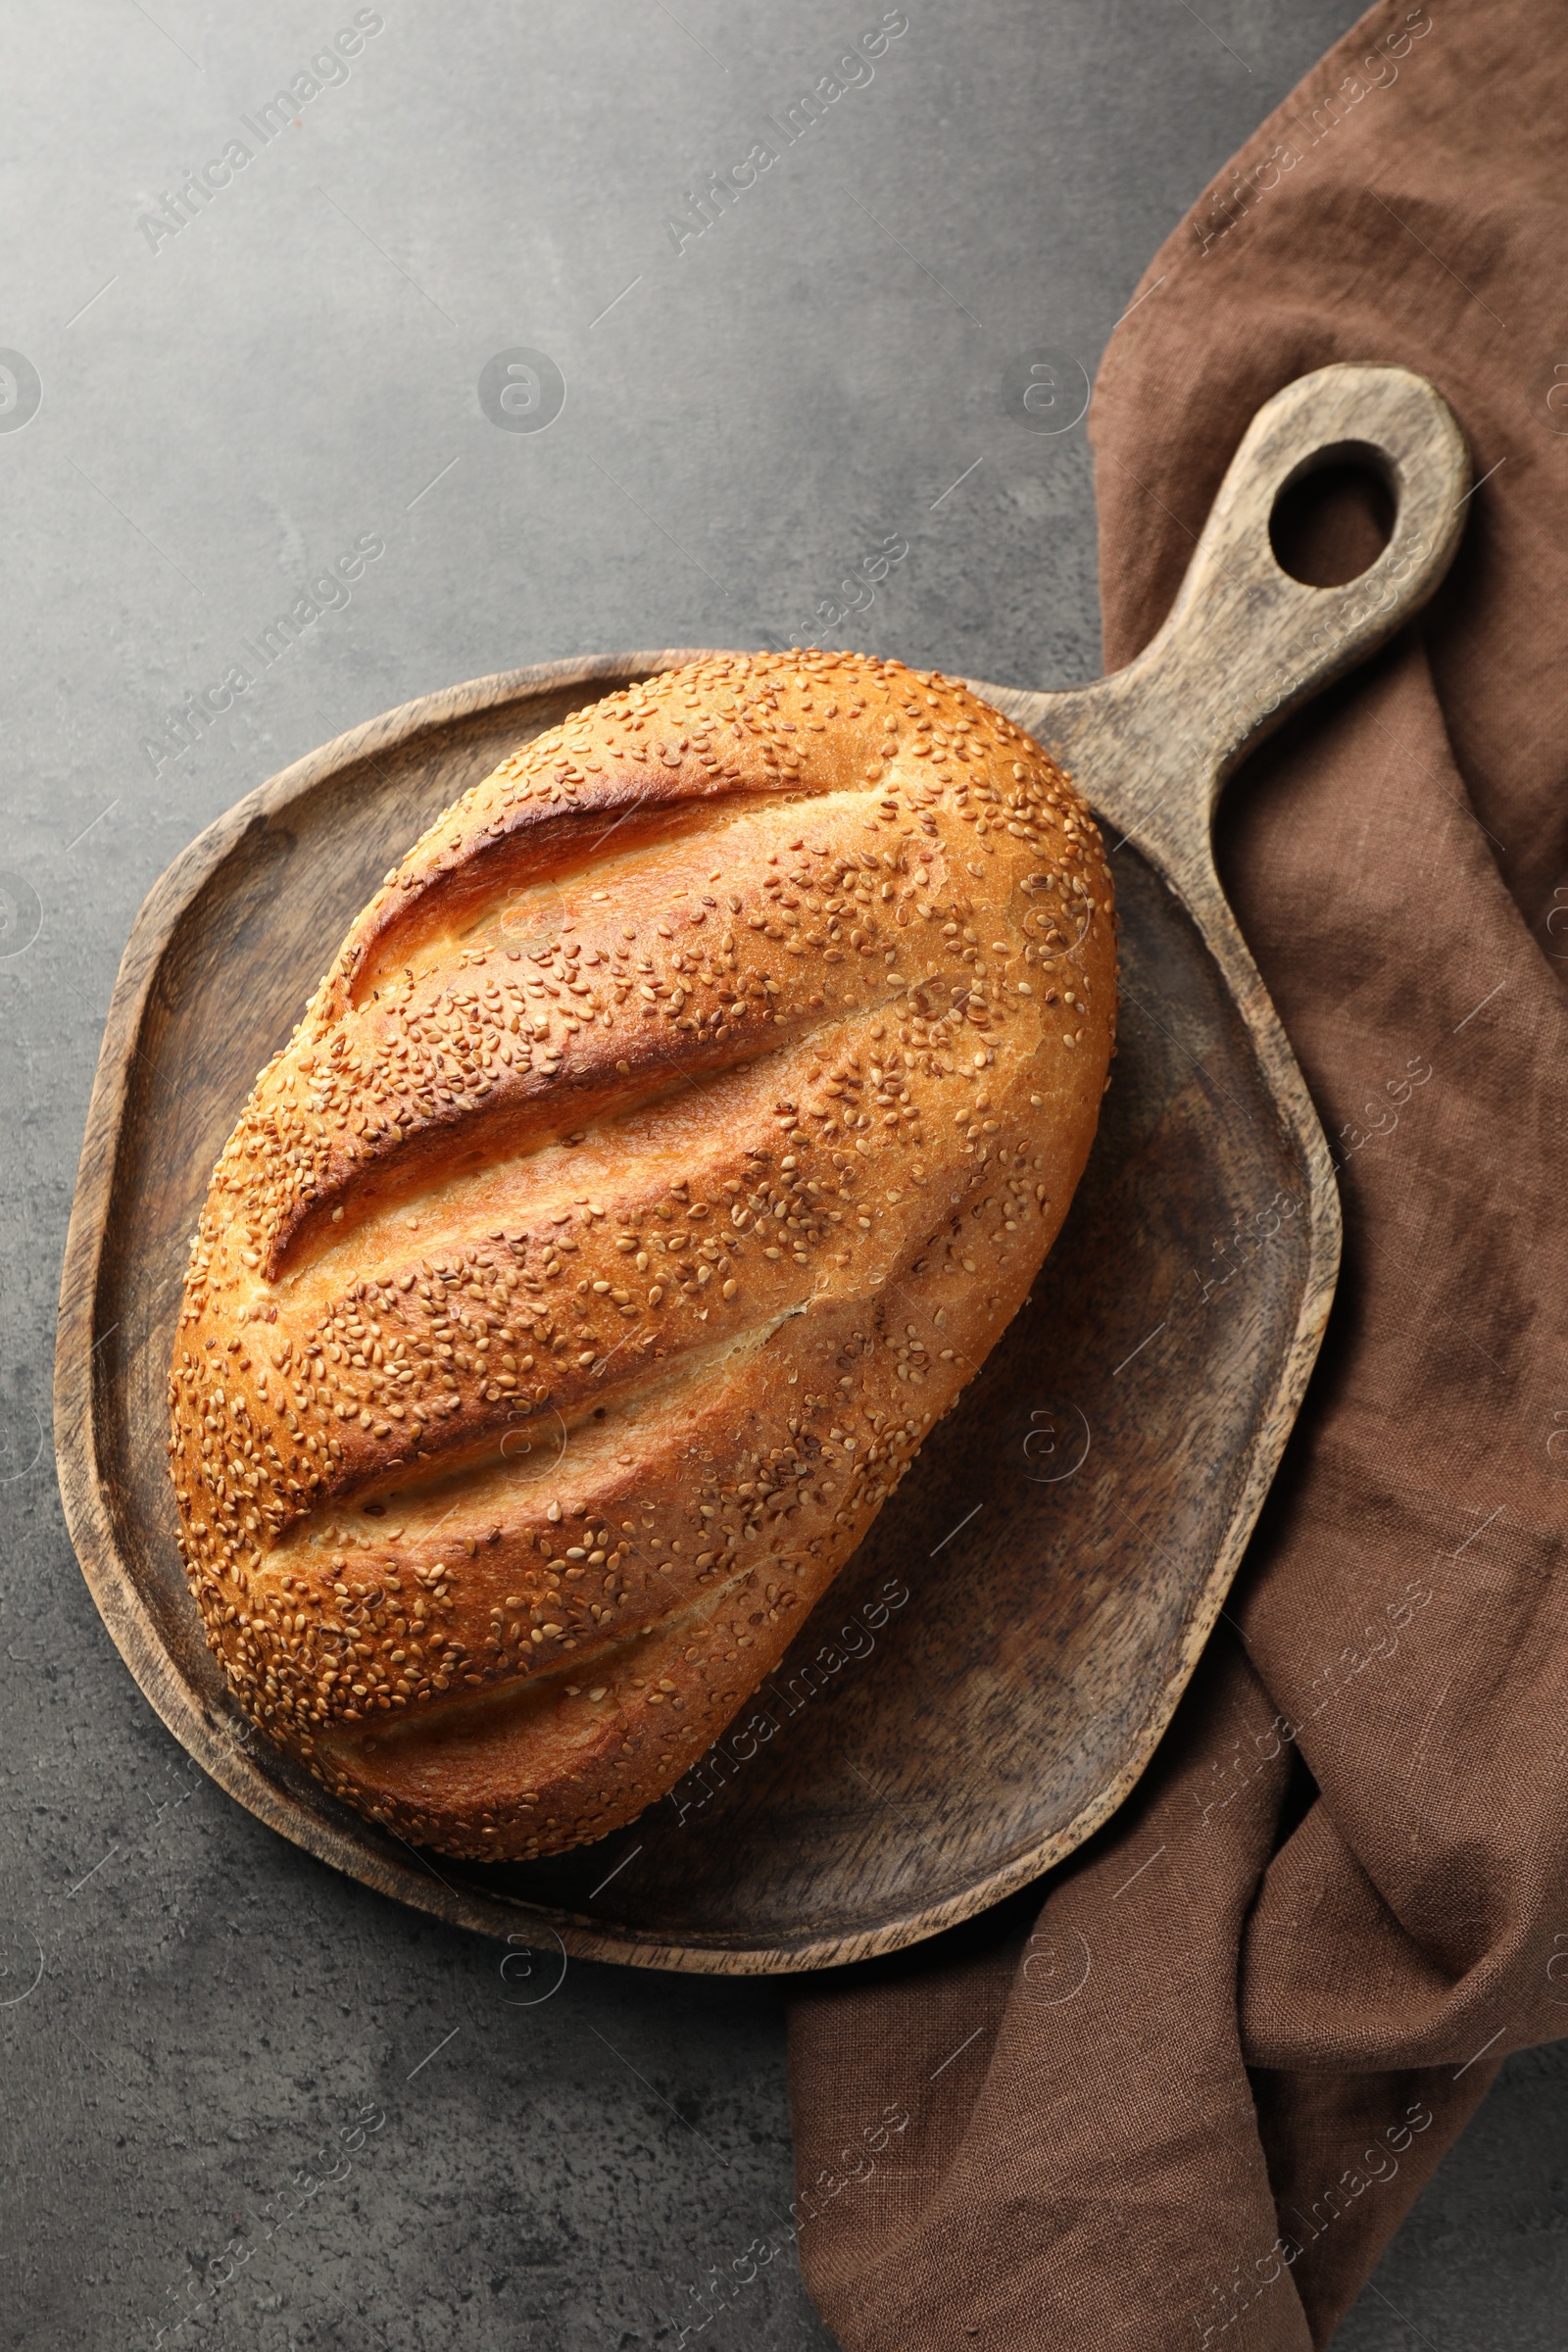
x,y
993,1669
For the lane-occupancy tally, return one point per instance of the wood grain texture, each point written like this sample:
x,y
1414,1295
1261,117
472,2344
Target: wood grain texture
x,y
992,1672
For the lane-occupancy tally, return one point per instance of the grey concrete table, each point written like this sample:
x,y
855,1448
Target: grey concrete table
x,y
321,342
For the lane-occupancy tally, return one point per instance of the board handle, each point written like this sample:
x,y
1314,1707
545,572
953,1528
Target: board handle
x,y
1262,641
1244,644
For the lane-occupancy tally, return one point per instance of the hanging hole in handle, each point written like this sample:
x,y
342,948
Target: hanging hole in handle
x,y
1334,516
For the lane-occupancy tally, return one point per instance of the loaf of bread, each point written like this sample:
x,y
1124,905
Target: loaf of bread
x,y
671,1139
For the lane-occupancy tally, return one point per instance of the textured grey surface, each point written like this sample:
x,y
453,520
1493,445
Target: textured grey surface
x,y
192,2009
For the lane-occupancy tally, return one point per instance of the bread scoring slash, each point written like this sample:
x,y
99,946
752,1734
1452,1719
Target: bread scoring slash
x,y
672,1138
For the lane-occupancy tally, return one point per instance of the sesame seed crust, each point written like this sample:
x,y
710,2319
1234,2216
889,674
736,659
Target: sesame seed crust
x,y
671,1139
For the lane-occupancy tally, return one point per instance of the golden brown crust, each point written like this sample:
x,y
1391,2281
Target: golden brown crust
x,y
673,1136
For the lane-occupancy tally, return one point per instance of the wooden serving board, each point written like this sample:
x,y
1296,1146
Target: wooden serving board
x,y
993,1670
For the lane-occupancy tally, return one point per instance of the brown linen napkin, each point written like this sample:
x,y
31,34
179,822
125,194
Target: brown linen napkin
x,y
1338,1895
